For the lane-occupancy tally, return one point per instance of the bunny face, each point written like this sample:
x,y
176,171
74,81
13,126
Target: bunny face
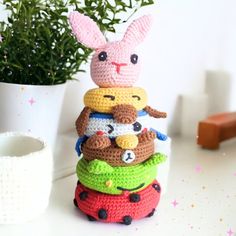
x,y
115,65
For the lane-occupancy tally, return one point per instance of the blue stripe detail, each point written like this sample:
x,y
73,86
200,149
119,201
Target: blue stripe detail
x,y
79,142
110,116
160,135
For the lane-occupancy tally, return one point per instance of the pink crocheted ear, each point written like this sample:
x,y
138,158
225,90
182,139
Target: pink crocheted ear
x,y
86,30
137,30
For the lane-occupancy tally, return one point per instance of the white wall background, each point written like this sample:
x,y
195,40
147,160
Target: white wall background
x,y
187,38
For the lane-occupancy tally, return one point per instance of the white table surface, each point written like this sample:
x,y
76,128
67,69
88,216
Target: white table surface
x,y
203,183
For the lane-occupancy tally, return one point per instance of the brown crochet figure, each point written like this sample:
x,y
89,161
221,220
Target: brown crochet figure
x,y
124,126
102,148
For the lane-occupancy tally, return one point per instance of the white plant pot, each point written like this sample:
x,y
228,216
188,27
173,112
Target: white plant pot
x,y
25,177
31,109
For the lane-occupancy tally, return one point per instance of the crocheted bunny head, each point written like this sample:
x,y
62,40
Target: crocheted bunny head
x,y
114,64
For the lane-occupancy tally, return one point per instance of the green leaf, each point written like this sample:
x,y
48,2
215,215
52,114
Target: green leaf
x,y
37,33
99,167
146,2
155,159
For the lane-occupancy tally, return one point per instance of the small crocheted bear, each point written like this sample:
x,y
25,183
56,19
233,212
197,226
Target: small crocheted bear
x,y
114,64
117,156
102,148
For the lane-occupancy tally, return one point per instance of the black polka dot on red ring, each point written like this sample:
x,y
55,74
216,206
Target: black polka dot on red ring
x,y
157,187
91,218
75,203
83,195
127,220
102,214
134,197
151,213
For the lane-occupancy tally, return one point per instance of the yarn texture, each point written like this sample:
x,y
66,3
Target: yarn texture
x,y
114,64
121,208
99,122
25,179
127,141
104,99
116,156
118,167
102,177
124,114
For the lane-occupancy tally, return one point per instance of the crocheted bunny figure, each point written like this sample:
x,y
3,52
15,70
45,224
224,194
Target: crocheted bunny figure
x,y
114,64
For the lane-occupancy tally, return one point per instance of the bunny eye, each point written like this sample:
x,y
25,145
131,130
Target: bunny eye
x,y
102,56
137,126
134,58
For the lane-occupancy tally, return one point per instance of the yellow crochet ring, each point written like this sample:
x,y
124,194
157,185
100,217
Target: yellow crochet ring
x,y
103,99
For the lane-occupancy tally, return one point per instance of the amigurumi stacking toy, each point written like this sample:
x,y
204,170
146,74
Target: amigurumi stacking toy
x,y
118,169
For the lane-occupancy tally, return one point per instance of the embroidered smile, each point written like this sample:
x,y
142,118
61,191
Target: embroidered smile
x,y
130,189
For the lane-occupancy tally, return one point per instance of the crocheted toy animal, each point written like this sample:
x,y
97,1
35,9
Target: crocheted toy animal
x,y
114,155
100,141
106,72
119,165
101,123
104,207
114,64
100,176
105,99
123,103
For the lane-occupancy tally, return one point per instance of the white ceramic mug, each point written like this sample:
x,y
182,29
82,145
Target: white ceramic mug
x,y
25,177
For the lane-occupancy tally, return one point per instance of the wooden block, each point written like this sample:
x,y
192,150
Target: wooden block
x,y
216,129
208,135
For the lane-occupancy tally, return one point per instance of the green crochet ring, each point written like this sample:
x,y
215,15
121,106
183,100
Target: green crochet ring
x,y
100,176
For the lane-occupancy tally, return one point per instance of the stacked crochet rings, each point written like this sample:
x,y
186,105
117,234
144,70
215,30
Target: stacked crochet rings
x,y
118,169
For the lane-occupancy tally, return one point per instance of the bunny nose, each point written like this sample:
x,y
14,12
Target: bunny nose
x,y
118,66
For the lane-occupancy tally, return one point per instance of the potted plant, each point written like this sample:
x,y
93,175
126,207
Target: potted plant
x,y
38,55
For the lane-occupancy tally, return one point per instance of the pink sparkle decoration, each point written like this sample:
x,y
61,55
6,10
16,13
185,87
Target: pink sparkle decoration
x,y
174,203
230,232
198,168
31,101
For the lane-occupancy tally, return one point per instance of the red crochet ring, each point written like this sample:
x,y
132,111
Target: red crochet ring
x,y
117,208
